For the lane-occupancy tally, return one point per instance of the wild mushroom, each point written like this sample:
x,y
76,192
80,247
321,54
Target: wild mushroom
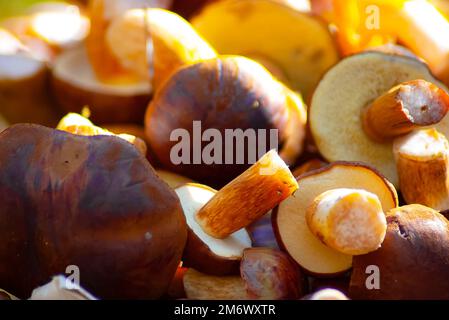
x,y
93,202
344,201
216,220
378,98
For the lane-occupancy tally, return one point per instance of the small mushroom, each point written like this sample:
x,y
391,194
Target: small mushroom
x,y
412,262
217,220
303,222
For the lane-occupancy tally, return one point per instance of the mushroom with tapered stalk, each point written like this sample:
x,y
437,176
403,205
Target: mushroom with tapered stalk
x,y
217,219
359,121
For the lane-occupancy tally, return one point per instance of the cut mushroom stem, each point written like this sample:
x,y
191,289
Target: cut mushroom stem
x,y
402,109
422,163
248,197
350,221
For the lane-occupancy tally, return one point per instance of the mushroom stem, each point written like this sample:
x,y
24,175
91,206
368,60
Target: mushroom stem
x,y
248,197
422,164
404,108
350,221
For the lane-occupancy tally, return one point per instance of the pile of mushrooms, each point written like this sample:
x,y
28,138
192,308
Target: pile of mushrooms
x,y
346,203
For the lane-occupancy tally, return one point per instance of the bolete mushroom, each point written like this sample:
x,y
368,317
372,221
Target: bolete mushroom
x,y
74,86
346,200
265,274
217,220
93,202
378,98
262,30
412,262
225,112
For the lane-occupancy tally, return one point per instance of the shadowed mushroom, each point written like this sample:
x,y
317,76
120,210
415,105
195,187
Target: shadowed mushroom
x,y
94,202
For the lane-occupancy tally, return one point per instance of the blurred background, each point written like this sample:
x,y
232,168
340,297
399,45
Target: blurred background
x,y
46,31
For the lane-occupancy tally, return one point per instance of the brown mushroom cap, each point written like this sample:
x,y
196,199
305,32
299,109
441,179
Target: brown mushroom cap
x,y
228,92
94,202
347,88
413,261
